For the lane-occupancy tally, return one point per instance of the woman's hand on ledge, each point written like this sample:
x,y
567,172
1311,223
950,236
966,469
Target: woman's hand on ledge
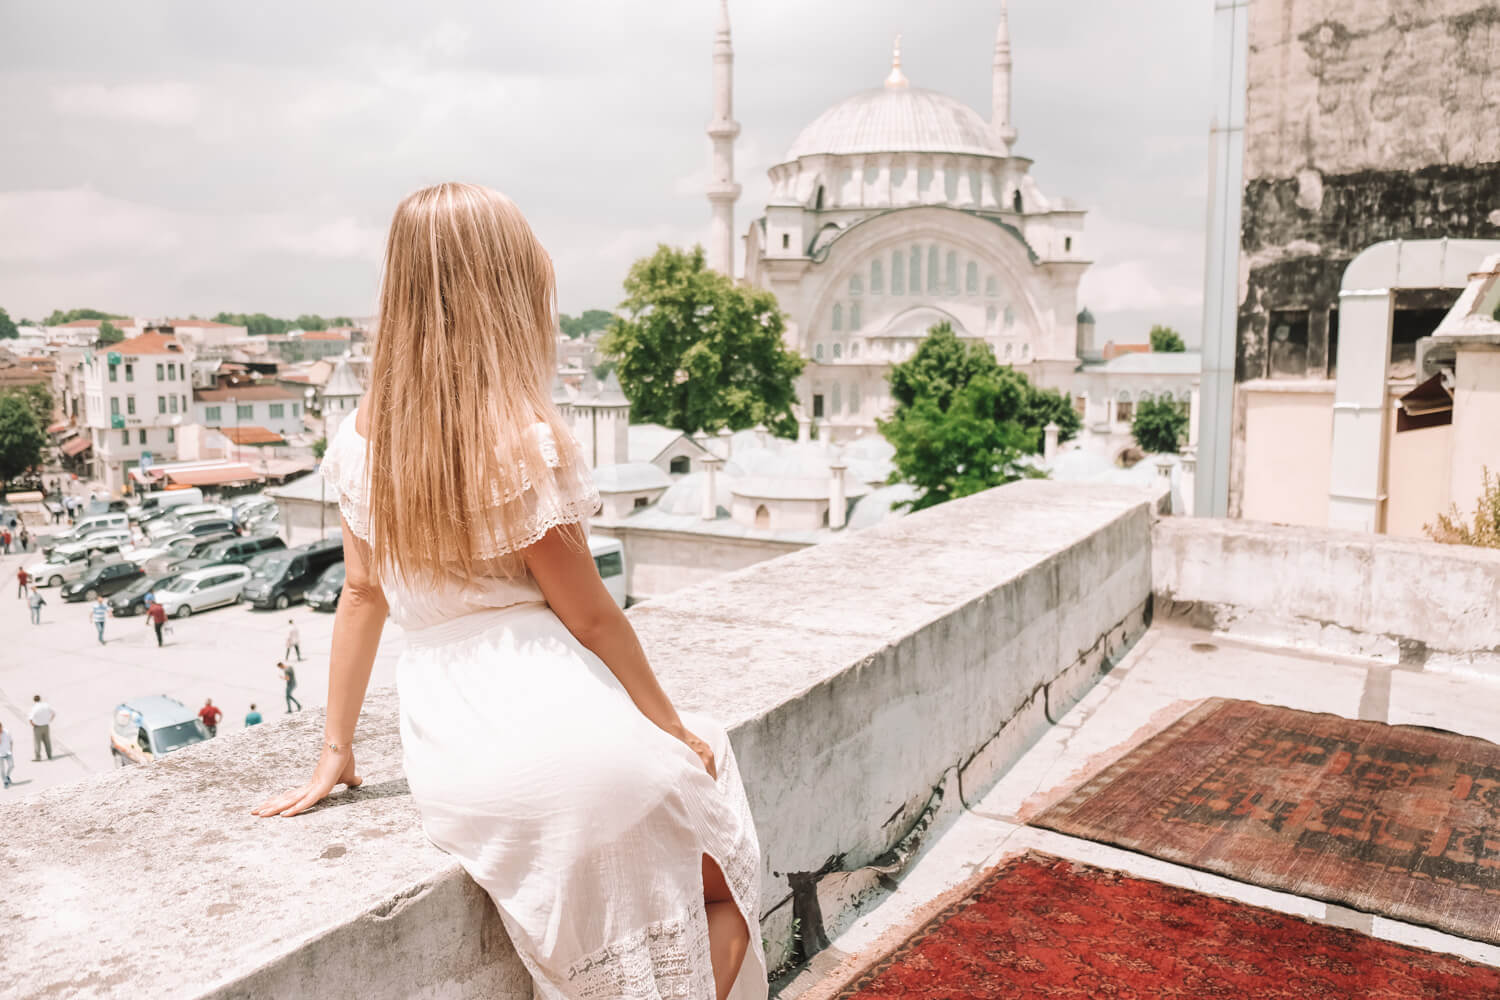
x,y
335,767
703,750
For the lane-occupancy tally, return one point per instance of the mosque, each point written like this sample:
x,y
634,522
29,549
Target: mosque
x,y
896,209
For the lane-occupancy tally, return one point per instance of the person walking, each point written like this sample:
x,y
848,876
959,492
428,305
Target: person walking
x,y
22,579
290,676
612,832
5,537
156,617
293,642
25,539
35,601
252,717
7,755
210,716
40,717
99,613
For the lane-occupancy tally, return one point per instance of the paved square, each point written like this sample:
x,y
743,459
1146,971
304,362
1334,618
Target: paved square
x,y
228,654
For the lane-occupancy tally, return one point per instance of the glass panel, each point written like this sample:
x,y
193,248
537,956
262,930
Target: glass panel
x,y
1289,343
877,280
971,278
898,273
916,270
932,271
838,316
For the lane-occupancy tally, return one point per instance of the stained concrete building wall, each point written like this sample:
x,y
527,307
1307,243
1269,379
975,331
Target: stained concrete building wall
x,y
852,696
1366,121
660,562
1403,602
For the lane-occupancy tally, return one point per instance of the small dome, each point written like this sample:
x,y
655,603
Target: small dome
x,y
686,495
898,120
630,477
875,506
1086,317
798,471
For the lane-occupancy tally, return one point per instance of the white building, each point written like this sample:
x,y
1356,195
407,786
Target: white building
x,y
274,407
340,394
896,209
136,396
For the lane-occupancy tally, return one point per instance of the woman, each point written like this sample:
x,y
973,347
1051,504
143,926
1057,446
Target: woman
x,y
612,833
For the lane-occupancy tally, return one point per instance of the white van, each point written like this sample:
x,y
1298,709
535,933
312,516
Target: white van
x,y
165,499
609,556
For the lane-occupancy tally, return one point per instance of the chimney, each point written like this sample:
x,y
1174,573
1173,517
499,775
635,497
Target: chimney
x,y
804,430
760,434
726,438
1049,441
710,509
825,431
837,505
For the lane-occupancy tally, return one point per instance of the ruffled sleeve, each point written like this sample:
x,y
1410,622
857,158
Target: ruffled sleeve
x,y
343,469
563,493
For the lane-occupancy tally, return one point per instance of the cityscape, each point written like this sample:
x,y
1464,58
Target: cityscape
x,y
1099,594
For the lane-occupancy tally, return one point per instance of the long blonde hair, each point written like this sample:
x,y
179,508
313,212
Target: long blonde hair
x,y
464,360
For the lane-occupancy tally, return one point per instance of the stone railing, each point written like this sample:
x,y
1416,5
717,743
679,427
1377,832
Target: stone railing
x,y
1395,600
856,677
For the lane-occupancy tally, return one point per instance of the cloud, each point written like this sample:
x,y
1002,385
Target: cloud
x,y
1141,266
167,103
57,226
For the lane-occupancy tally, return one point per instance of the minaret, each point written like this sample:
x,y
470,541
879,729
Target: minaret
x,y
1000,93
723,192
897,80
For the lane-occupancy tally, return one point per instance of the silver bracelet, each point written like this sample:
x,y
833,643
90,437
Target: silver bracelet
x,y
336,747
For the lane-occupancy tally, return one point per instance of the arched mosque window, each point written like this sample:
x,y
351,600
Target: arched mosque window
x,y
854,316
856,285
838,350
932,271
898,273
916,270
838,316
950,273
971,278
877,277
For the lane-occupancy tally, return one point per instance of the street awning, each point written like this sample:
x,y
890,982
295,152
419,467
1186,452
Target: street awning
x,y
57,428
76,447
251,435
219,475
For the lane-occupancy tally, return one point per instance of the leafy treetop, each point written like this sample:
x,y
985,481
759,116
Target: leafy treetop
x,y
7,326
21,437
1159,426
591,320
1166,340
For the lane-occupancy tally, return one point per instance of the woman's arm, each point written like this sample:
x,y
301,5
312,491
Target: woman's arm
x,y
356,636
565,570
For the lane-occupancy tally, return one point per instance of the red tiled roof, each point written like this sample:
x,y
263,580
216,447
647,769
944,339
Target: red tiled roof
x,y
245,394
324,335
251,435
148,343
215,475
77,446
1113,350
57,428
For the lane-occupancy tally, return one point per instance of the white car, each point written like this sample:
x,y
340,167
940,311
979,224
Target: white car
x,y
59,568
202,589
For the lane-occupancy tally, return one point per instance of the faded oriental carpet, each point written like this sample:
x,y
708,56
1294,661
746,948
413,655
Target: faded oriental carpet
x,y
1395,820
1040,928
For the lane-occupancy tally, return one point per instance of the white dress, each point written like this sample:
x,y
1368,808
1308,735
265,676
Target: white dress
x,y
584,822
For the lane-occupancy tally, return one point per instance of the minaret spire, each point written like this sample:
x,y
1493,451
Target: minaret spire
x,y
723,192
897,79
1000,113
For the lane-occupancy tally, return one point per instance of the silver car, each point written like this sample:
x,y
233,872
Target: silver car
x,y
61,567
202,589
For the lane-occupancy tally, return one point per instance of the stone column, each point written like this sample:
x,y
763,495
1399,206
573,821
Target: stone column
x,y
726,438
825,431
710,506
1049,441
837,505
804,430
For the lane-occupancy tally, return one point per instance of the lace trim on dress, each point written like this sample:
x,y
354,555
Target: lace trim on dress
x,y
564,503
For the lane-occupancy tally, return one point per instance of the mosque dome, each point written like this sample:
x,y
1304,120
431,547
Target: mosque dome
x,y
685,496
875,506
898,120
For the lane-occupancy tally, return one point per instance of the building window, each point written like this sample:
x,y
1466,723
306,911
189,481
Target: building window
x,y
114,373
173,406
130,373
161,404
160,375
854,399
818,203
244,411
1288,343
1124,408
171,373
854,349
125,438
932,271
817,352
854,317
171,435
114,404
992,285
991,314
898,273
1016,203
211,414
762,518
786,244
856,286
950,274
838,351
835,401
817,405
877,278
295,407
971,278
838,317
143,435
681,465
130,405
276,410
1010,317
1067,244
1025,352
1009,350
916,270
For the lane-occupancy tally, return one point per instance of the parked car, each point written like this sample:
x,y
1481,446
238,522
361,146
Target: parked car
x,y
165,500
609,557
102,580
150,727
291,574
201,589
238,550
132,600
59,568
180,518
324,595
84,528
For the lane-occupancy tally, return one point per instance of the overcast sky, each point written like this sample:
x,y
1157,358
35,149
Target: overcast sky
x,y
163,158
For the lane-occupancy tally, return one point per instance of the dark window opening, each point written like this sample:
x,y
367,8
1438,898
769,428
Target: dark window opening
x,y
1410,326
641,502
818,204
1288,347
679,466
817,405
786,241
1333,343
1016,201
1067,244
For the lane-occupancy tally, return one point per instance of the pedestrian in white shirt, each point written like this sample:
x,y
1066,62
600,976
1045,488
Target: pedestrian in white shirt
x,y
41,717
7,755
293,641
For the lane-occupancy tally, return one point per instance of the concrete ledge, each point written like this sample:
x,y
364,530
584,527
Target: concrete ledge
x,y
1397,601
856,678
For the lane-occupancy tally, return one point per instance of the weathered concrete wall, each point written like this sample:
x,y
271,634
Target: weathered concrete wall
x,y
856,677
1412,603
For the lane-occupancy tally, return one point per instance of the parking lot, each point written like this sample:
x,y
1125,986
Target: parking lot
x,y
228,655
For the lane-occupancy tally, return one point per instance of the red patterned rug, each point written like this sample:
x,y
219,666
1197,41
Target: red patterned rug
x,y
1396,820
1040,928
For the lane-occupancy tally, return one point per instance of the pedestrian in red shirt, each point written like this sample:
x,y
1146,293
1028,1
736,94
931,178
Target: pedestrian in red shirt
x,y
210,716
156,617
22,579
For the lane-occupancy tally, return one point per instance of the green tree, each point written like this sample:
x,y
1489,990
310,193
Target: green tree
x,y
591,320
696,352
320,448
964,422
1159,426
109,333
7,326
21,437
1166,340
38,400
602,370
58,317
